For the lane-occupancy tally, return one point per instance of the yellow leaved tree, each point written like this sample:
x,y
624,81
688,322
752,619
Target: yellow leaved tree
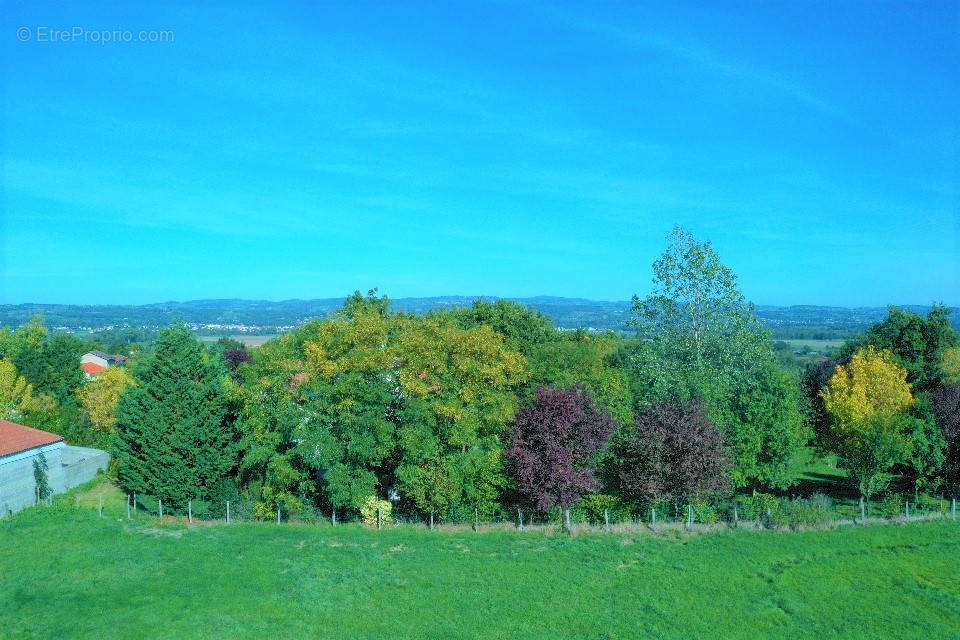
x,y
950,365
16,394
866,400
99,397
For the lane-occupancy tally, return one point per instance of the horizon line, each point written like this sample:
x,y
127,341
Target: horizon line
x,y
460,296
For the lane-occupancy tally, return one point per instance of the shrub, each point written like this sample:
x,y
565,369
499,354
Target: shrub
x,y
40,476
757,506
665,510
221,492
891,506
705,512
927,504
368,511
774,512
813,511
595,504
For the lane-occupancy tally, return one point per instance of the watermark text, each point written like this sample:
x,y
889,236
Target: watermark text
x,y
93,36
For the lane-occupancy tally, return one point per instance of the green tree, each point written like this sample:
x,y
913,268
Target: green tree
x,y
459,393
351,384
467,377
928,446
174,435
765,425
316,410
695,302
61,372
918,344
271,409
523,328
429,485
698,339
481,474
586,360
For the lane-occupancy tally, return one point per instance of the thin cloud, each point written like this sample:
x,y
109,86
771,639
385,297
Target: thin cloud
x,y
693,53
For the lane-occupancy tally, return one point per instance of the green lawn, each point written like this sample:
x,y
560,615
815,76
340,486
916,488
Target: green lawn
x,y
65,573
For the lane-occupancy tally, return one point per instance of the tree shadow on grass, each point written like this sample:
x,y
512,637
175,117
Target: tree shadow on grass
x,y
833,485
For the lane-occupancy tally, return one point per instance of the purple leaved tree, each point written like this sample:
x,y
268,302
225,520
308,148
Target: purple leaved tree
x,y
236,357
673,453
946,408
553,445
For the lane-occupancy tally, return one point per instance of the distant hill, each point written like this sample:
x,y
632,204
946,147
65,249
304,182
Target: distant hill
x,y
266,316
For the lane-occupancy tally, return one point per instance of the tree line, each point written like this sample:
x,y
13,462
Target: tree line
x,y
481,411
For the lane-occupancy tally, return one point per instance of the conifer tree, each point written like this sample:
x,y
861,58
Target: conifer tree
x,y
174,434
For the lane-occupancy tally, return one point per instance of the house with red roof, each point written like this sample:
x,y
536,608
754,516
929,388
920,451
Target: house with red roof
x,y
22,446
96,362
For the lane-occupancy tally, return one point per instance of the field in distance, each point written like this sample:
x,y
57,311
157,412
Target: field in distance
x,y
815,346
250,341
65,572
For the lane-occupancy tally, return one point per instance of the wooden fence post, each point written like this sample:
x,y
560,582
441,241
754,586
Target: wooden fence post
x,y
736,517
128,506
863,511
476,519
134,503
160,507
906,509
606,519
190,511
520,517
278,513
101,505
228,512
953,508
653,518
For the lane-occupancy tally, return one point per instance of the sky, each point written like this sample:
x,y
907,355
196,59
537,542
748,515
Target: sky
x,y
284,150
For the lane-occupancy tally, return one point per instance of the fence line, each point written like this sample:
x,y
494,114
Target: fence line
x,y
696,518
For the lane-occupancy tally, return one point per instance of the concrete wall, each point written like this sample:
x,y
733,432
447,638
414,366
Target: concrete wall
x,y
81,464
18,488
67,467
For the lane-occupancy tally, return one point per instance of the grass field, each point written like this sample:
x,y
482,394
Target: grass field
x,y
815,346
249,341
65,573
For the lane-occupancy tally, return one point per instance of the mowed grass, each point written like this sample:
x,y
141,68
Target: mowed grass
x,y
66,573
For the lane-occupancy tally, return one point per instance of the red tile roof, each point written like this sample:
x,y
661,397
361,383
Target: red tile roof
x,y
15,438
92,368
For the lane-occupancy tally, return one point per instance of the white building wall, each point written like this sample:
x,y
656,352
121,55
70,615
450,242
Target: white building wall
x,y
67,467
89,357
18,487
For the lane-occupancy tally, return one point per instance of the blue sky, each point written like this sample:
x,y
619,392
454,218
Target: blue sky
x,y
300,151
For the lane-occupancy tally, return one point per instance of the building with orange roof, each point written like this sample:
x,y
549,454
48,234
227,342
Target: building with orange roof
x,y
22,446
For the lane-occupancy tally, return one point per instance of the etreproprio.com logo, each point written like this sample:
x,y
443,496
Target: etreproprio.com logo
x,y
96,36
